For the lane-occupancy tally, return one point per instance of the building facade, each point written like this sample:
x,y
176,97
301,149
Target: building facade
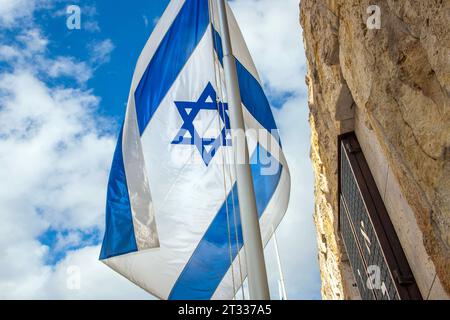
x,y
379,77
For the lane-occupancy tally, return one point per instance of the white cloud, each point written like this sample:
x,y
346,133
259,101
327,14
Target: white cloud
x,y
13,10
91,26
296,234
30,52
19,13
145,20
8,53
54,164
65,66
78,276
54,128
53,161
273,35
100,51
33,41
81,276
89,22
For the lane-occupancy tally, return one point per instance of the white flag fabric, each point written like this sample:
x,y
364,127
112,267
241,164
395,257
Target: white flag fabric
x,y
172,215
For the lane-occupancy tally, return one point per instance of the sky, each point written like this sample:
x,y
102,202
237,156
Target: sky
x,y
63,95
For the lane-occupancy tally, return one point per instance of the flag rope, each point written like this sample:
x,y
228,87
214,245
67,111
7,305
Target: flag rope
x,y
225,157
230,249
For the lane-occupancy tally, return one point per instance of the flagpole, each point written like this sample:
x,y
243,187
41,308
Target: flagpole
x,y
254,251
283,293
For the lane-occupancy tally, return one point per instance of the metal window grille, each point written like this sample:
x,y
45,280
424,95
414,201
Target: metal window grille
x,y
378,262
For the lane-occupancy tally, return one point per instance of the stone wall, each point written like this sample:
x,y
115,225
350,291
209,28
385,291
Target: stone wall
x,y
392,86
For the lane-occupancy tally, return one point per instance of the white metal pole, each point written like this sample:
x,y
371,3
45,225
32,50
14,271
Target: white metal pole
x,y
283,293
254,251
280,290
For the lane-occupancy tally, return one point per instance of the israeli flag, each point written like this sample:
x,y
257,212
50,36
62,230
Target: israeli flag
x,y
172,217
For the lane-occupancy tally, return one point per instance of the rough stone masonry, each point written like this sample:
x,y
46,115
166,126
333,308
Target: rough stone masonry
x,y
395,82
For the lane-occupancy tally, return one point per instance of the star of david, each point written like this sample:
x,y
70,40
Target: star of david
x,y
188,135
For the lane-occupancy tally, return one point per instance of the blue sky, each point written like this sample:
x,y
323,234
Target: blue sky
x,y
127,27
62,100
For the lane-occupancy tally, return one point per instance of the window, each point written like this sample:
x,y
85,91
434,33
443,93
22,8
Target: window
x,y
379,265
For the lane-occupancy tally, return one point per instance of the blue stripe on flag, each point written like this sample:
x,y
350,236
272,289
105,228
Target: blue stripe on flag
x,y
119,232
172,54
174,51
254,99
252,94
211,259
